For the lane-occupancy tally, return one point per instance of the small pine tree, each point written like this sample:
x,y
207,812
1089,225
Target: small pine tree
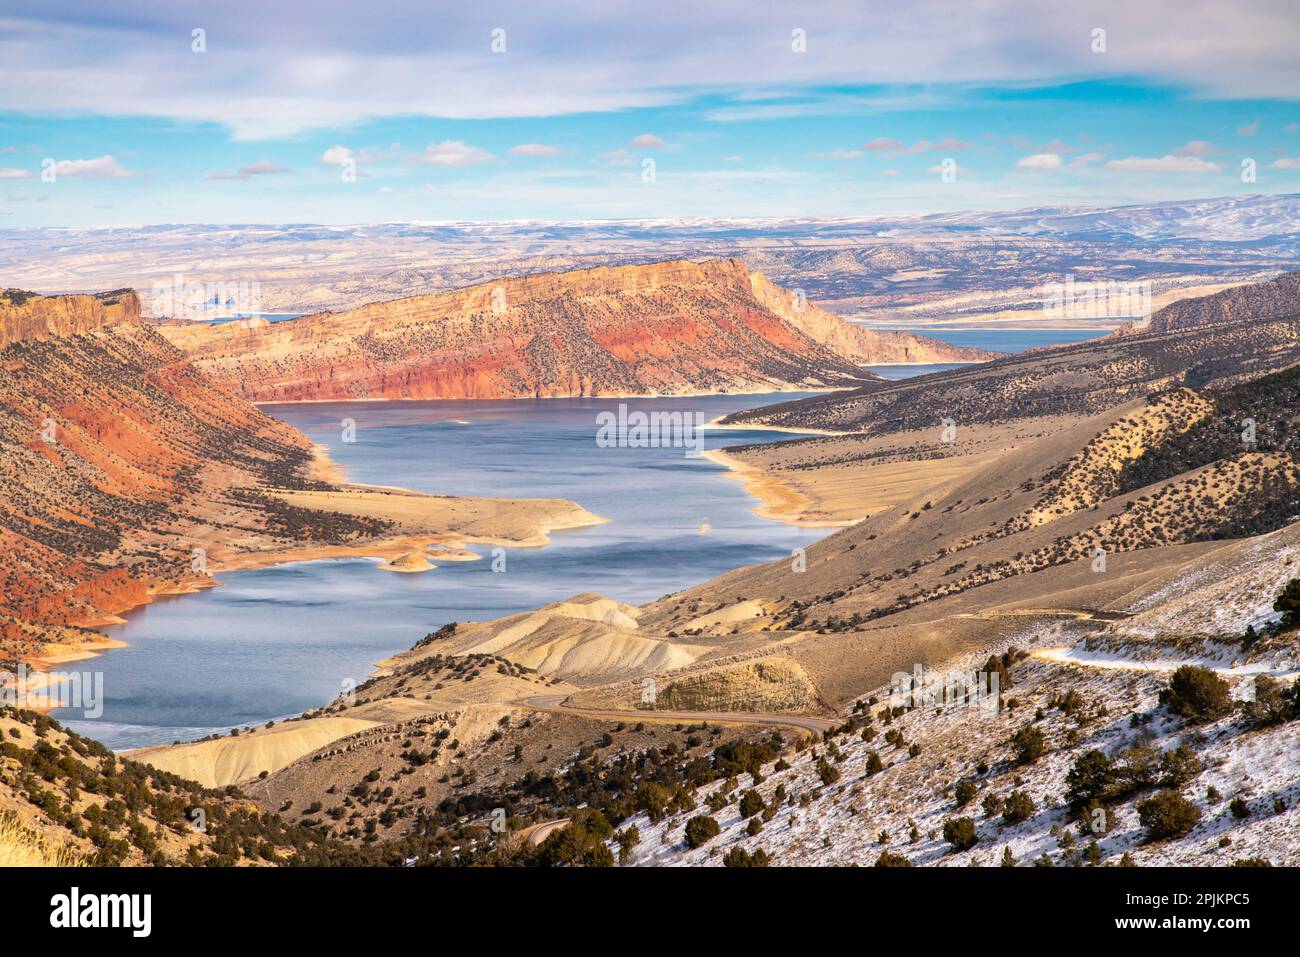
x,y
1029,744
1168,814
874,764
700,830
960,833
1197,694
739,857
1288,603
886,859
1019,806
827,772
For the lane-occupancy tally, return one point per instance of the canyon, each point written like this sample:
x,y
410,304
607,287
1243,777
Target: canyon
x,y
667,328
975,548
127,473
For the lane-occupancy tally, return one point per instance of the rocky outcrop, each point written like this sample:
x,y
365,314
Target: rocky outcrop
x,y
769,685
29,316
858,342
114,453
669,328
1274,299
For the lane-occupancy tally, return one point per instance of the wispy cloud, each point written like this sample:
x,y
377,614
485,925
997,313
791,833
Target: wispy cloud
x,y
1164,164
533,149
1040,161
281,73
337,156
889,146
105,167
648,141
260,168
455,154
884,144
615,158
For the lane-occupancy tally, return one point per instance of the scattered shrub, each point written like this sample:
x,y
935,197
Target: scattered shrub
x,y
960,833
1168,814
700,830
1197,694
1019,806
1029,744
739,857
887,859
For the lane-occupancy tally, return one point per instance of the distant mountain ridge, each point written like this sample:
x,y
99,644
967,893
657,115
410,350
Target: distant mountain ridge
x,y
1264,300
669,328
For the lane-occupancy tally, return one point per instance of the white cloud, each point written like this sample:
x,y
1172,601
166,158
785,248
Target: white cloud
x,y
1083,159
533,149
105,167
1164,164
1287,162
1195,148
889,172
9,172
260,168
732,159
336,156
1250,129
841,155
283,73
1041,161
890,146
648,141
455,154
884,144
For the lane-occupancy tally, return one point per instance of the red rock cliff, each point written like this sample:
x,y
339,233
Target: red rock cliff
x,y
668,328
28,316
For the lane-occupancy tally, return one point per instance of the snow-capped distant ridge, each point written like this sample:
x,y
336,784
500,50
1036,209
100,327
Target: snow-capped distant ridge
x,y
1248,218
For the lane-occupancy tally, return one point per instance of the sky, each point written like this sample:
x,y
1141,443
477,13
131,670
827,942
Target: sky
x,y
330,112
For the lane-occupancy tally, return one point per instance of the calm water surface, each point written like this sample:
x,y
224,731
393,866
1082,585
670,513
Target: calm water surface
x,y
277,641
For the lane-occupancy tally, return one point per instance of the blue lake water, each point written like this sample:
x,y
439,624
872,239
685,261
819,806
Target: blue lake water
x,y
998,340
1004,340
274,642
277,641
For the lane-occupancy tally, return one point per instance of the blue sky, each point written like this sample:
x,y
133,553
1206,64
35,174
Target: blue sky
x,y
811,109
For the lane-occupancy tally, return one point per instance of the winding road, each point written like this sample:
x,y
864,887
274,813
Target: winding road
x,y
554,703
